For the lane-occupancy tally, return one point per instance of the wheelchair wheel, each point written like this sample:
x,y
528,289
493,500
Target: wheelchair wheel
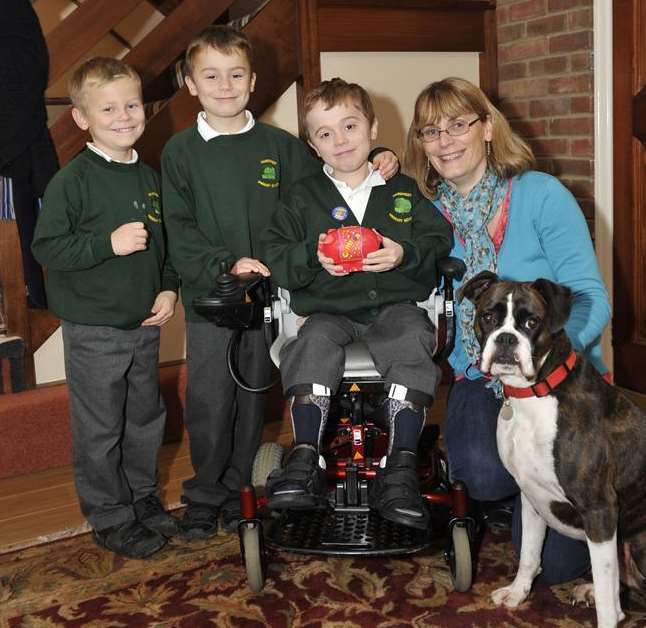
x,y
269,457
253,560
460,561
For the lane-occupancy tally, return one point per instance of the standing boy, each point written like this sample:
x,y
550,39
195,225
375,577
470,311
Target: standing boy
x,y
376,305
222,179
100,235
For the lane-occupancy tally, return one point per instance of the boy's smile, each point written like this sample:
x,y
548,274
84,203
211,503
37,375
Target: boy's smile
x,y
113,113
223,84
341,136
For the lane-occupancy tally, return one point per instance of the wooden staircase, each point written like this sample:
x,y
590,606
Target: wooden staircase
x,y
288,36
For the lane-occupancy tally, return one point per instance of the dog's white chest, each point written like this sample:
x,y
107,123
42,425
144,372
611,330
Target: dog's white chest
x,y
526,447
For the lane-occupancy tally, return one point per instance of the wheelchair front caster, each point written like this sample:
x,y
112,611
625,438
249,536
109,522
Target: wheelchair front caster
x,y
252,552
460,559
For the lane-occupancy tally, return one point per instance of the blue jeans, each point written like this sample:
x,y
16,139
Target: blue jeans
x,y
470,434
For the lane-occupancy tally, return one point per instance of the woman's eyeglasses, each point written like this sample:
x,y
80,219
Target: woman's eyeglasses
x,y
455,129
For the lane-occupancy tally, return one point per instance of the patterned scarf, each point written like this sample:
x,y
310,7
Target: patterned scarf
x,y
470,216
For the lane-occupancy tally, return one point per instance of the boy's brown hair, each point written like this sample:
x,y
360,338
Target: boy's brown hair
x,y
334,92
225,39
95,72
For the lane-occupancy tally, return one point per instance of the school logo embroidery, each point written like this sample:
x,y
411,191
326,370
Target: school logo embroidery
x,y
402,207
153,212
150,210
268,175
339,213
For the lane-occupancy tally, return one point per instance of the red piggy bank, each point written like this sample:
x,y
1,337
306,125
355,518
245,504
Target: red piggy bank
x,y
349,245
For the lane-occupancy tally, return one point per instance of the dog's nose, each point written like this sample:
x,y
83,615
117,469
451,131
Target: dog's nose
x,y
507,339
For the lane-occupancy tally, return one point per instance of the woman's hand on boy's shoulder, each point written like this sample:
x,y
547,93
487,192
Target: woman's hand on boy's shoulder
x,y
163,309
387,163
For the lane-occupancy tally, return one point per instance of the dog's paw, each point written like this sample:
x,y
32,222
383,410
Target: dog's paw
x,y
582,595
510,596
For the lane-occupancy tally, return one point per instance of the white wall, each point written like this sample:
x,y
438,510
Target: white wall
x,y
393,81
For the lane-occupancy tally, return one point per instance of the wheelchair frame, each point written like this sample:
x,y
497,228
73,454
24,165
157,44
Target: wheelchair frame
x,y
352,451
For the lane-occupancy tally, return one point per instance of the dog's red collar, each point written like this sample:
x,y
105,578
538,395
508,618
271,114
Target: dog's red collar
x,y
545,386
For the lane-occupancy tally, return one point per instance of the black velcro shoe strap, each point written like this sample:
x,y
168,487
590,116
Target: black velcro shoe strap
x,y
397,498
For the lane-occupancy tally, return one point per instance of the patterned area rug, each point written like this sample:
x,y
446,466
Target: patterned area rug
x,y
74,583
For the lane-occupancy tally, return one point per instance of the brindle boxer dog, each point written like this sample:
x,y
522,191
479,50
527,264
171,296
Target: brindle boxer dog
x,y
575,445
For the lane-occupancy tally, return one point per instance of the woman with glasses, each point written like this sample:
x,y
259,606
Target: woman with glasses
x,y
521,224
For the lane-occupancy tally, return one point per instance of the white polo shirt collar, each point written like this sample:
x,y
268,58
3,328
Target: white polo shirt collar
x,y
208,132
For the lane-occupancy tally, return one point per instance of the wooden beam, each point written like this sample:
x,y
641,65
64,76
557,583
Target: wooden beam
x,y
81,30
489,56
401,28
639,116
274,35
15,296
309,54
169,39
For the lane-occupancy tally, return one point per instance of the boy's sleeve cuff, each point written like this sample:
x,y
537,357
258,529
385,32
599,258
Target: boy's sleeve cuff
x,y
102,247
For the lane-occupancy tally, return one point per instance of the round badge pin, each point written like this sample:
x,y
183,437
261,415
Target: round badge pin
x,y
339,213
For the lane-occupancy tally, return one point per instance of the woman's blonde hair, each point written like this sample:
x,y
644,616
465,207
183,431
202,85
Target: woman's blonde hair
x,y
452,97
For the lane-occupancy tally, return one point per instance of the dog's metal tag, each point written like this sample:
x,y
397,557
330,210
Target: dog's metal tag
x,y
506,412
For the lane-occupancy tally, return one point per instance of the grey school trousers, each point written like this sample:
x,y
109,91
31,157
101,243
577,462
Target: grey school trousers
x,y
224,422
117,417
401,342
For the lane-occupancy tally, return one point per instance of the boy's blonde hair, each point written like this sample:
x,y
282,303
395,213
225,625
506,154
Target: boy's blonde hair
x,y
450,98
222,38
96,72
334,92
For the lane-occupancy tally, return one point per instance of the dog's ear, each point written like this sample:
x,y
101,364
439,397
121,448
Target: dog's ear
x,y
559,302
474,288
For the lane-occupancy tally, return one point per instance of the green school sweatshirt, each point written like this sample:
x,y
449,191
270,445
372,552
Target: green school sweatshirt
x,y
83,204
397,210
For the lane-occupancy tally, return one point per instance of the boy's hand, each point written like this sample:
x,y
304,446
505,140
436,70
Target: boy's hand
x,y
389,256
387,163
129,238
327,262
163,309
250,265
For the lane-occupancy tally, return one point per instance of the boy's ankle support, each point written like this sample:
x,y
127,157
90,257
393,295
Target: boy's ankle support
x,y
407,421
309,416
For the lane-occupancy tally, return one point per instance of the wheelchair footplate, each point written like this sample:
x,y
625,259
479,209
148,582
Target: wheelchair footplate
x,y
343,532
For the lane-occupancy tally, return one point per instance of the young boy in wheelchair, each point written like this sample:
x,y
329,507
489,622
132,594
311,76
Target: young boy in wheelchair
x,y
376,305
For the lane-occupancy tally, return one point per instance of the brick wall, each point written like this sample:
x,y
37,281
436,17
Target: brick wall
x,y
545,86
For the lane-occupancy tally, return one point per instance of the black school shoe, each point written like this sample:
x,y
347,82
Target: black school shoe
x,y
394,493
200,521
498,515
131,539
230,513
151,513
300,484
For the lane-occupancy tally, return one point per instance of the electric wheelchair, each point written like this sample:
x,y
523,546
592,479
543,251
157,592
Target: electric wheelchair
x,y
355,440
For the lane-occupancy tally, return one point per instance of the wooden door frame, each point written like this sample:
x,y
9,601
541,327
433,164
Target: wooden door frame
x,y
629,347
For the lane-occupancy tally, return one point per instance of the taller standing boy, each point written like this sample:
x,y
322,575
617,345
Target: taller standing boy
x,y
222,180
100,235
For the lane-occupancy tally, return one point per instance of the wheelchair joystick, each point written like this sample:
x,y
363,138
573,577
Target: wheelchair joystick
x,y
227,287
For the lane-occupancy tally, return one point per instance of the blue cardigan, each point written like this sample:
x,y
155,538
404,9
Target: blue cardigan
x,y
547,236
